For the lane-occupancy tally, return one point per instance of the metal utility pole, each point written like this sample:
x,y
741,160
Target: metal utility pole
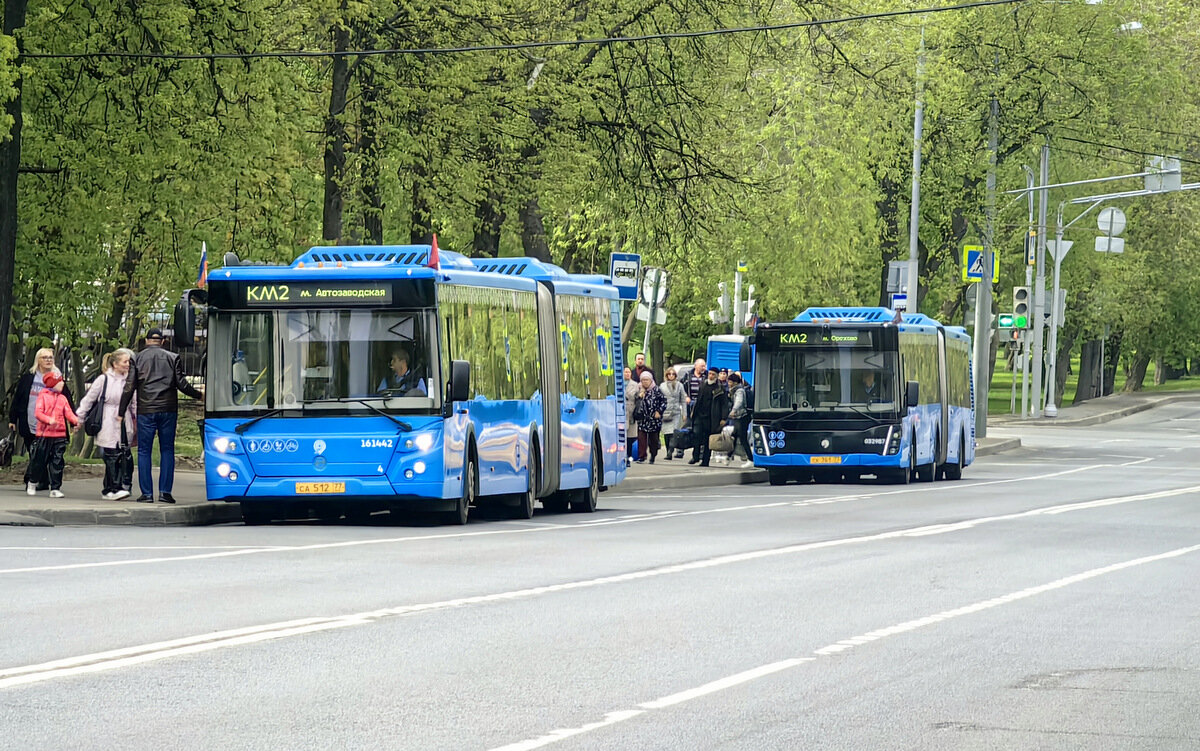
x,y
983,291
737,299
915,211
1039,288
1023,348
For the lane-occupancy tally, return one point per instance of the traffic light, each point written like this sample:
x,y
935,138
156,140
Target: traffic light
x,y
721,314
1004,320
1021,307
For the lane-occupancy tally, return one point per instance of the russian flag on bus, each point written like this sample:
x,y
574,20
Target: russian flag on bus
x,y
202,275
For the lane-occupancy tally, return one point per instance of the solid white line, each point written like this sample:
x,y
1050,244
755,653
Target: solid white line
x,y
844,645
510,530
127,656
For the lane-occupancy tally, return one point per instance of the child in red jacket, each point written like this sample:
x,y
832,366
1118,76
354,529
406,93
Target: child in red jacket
x,y
53,413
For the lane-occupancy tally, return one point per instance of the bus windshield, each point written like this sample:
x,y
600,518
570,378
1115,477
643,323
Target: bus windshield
x,y
826,379
295,358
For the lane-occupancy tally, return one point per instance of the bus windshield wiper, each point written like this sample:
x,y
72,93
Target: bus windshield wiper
x,y
785,418
363,401
857,411
249,423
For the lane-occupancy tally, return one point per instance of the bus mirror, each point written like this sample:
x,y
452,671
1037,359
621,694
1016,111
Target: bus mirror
x,y
745,361
912,393
185,323
460,380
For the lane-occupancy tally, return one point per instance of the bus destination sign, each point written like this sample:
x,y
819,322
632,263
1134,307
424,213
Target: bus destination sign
x,y
823,336
286,294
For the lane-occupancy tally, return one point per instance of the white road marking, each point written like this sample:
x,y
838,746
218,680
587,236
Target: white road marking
x,y
844,645
127,656
510,530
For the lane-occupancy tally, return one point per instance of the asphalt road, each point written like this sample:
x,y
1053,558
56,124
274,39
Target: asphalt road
x,y
1046,601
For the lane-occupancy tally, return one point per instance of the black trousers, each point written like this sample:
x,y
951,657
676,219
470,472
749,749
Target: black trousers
x,y
741,426
46,462
118,469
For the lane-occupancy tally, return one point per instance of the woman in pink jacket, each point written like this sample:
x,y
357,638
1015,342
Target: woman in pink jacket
x,y
53,412
105,394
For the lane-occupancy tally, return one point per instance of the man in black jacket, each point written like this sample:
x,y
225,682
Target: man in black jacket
x,y
155,377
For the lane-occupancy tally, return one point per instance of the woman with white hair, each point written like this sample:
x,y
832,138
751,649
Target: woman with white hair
x,y
649,421
105,394
22,417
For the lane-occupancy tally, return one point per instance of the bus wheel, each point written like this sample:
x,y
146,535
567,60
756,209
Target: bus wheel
x,y
926,472
954,471
557,502
528,499
777,477
584,501
463,508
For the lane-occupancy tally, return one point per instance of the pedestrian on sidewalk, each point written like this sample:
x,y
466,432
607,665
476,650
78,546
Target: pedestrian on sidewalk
x,y
115,435
739,416
675,412
708,415
21,417
652,404
631,392
53,412
639,366
692,381
155,377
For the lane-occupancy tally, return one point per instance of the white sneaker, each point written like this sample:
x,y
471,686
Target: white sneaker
x,y
747,465
119,495
106,496
30,489
56,494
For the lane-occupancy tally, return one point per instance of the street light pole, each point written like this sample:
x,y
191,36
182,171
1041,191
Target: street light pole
x,y
915,209
1039,288
983,292
1052,367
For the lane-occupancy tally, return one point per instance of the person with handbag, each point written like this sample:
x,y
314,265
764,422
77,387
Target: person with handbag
x,y
675,413
651,403
98,410
53,412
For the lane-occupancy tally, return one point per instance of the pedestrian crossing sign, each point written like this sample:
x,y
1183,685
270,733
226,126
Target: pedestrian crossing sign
x,y
972,264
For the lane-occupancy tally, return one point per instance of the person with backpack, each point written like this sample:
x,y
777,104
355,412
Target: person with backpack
x,y
739,415
53,413
21,418
114,437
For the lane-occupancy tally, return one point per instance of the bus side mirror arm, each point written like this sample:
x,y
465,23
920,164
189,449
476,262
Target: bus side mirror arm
x,y
912,392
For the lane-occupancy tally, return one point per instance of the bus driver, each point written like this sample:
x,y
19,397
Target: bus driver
x,y
402,381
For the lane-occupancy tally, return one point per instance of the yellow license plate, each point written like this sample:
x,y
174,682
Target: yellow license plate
x,y
320,488
825,460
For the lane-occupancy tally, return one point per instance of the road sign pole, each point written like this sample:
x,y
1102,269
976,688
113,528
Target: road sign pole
x,y
737,300
1060,251
653,304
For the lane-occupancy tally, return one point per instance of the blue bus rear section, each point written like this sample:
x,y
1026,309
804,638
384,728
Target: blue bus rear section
x,y
307,405
832,397
724,351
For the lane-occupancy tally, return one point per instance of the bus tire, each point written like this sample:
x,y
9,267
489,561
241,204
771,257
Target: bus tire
x,y
462,508
954,471
557,502
585,500
926,472
777,477
528,499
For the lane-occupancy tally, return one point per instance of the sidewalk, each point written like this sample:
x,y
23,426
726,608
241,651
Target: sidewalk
x,y
1097,411
83,505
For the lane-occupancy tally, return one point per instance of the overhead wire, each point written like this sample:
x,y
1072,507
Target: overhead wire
x,y
515,46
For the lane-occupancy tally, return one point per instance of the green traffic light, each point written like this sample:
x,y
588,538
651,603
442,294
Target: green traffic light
x,y
1022,322
1005,320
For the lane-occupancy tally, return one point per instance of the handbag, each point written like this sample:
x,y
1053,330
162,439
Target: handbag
x,y
720,442
6,451
95,418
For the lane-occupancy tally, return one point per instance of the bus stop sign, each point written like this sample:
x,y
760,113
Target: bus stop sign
x,y
625,271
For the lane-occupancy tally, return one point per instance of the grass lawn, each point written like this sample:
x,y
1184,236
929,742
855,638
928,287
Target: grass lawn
x,y
1000,396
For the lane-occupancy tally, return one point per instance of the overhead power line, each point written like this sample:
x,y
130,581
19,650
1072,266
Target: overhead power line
x,y
1119,148
507,47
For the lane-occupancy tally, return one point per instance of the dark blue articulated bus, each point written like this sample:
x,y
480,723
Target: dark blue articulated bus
x,y
847,392
400,377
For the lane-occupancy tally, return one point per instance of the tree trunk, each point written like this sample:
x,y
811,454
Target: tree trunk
x,y
489,219
368,147
533,231
887,208
1137,372
1062,366
10,164
335,135
1112,359
1091,372
421,223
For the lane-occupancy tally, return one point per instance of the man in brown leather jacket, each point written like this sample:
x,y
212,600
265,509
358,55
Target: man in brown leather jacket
x,y
155,377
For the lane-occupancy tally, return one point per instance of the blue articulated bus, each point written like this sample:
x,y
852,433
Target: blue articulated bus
x,y
366,378
847,392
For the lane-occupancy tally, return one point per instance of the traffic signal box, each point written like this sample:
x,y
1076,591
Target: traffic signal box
x,y
1021,308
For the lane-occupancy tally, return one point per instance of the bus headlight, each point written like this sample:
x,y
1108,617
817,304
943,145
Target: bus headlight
x,y
224,445
223,469
419,468
424,442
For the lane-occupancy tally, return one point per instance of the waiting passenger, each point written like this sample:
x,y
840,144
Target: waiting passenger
x,y
402,381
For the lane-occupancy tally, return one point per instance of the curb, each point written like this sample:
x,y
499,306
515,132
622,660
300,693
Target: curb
x,y
186,515
1102,417
1005,444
